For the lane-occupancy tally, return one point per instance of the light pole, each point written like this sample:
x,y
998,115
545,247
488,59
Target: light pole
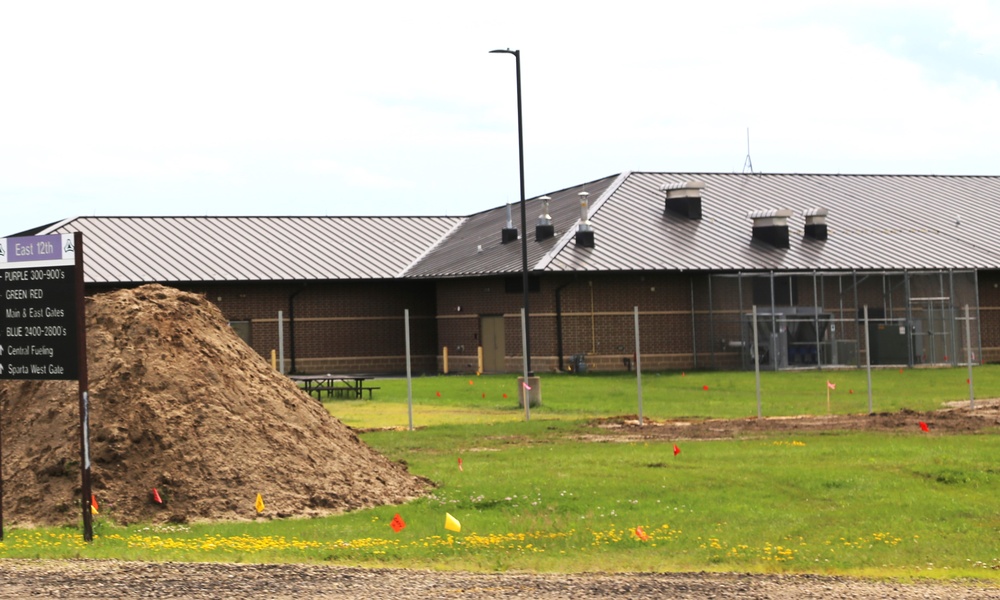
x,y
524,219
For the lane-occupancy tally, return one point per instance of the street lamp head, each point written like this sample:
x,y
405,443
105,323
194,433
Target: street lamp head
x,y
506,51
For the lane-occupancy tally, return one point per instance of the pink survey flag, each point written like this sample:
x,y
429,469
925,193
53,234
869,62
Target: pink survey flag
x,y
831,385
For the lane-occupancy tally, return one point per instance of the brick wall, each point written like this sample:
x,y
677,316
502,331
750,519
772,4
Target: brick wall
x,y
597,320
358,325
339,326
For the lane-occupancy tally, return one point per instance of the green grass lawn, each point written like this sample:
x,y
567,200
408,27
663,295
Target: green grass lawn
x,y
535,496
493,398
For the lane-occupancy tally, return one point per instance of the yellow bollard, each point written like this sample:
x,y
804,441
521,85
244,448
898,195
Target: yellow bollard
x,y
274,359
444,353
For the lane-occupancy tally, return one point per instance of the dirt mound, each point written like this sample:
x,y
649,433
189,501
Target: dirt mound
x,y
179,403
955,418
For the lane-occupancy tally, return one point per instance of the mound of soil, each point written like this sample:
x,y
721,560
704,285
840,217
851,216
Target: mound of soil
x,y
179,403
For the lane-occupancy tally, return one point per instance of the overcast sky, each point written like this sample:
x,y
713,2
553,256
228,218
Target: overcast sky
x,y
397,108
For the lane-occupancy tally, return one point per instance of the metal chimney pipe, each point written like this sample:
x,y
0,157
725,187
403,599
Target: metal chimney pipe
x,y
584,231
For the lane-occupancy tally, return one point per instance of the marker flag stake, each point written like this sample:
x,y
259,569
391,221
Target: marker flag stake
x,y
460,464
156,497
259,504
676,450
641,534
93,504
451,523
525,384
924,427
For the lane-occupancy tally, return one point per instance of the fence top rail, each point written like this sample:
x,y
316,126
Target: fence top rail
x,y
840,273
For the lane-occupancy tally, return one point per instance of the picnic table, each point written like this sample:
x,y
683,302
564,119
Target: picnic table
x,y
339,385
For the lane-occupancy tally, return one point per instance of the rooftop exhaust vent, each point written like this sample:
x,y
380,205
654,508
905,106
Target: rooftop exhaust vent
x,y
544,229
584,231
816,223
771,226
684,198
509,232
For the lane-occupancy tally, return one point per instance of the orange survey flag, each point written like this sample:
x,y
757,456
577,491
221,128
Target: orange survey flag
x,y
397,523
639,533
156,497
924,427
676,450
93,504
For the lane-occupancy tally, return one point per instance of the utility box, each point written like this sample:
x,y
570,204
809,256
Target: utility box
x,y
889,343
534,394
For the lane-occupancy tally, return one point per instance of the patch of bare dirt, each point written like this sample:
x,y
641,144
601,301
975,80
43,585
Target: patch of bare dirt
x,y
953,418
179,403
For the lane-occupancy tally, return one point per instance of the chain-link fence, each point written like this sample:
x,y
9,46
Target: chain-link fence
x,y
816,320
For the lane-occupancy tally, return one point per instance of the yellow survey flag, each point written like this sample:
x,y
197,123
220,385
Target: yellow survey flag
x,y
259,504
451,523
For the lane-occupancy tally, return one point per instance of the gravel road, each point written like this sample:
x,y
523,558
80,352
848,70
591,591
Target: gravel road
x,y
108,580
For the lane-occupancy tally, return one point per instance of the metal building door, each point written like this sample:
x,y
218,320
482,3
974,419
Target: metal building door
x,y
491,335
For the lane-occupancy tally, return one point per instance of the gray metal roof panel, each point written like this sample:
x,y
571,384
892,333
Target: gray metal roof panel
x,y
174,249
874,222
460,254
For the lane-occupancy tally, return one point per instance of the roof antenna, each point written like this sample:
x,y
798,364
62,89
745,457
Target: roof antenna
x,y
748,162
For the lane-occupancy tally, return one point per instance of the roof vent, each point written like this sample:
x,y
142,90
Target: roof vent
x,y
509,233
544,229
684,198
584,231
771,226
816,223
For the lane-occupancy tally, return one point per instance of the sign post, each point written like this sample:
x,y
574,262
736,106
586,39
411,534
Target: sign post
x,y
42,327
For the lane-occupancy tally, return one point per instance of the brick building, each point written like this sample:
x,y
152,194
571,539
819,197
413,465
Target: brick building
x,y
695,254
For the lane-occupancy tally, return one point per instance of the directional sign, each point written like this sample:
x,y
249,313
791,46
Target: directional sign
x,y
38,304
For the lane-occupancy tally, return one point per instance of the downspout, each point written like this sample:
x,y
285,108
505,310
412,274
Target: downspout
x,y
291,325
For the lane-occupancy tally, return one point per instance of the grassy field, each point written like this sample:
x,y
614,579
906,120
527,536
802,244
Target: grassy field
x,y
469,399
535,496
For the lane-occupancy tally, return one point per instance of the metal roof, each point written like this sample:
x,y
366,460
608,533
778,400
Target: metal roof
x,y
174,249
874,222
474,247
